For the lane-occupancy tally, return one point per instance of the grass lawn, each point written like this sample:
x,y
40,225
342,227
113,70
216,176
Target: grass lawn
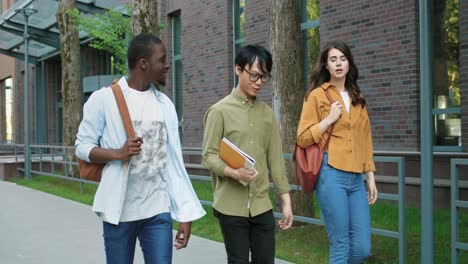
x,y
304,243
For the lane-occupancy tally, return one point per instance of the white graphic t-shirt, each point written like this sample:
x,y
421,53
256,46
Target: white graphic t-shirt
x,y
146,194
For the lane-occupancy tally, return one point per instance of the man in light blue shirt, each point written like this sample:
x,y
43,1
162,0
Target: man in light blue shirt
x,y
144,184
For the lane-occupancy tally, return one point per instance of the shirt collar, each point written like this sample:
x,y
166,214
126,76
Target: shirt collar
x,y
239,96
124,86
327,85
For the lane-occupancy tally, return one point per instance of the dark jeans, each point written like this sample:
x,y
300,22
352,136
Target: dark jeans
x,y
154,234
242,234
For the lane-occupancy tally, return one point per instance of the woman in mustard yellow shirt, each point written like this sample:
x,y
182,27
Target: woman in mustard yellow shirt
x,y
340,189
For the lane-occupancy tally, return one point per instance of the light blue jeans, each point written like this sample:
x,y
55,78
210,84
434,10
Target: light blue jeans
x,y
343,203
154,234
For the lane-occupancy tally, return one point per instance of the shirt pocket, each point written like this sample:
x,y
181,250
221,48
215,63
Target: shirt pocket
x,y
324,111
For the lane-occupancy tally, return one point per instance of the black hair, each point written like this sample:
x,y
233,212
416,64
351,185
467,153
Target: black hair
x,y
320,74
141,47
248,54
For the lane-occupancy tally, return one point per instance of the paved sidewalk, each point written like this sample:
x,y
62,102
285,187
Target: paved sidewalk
x,y
37,228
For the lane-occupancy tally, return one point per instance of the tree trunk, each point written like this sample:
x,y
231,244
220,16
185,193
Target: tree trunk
x,y
145,17
288,85
72,92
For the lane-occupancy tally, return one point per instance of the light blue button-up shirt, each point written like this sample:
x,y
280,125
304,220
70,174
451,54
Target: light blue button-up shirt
x,y
102,126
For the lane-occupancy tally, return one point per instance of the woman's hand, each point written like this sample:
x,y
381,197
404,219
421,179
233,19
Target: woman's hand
x,y
335,111
371,188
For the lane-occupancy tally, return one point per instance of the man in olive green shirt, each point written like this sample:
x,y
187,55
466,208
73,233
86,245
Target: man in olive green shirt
x,y
245,212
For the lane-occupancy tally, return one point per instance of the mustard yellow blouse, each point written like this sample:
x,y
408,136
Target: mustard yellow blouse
x,y
350,148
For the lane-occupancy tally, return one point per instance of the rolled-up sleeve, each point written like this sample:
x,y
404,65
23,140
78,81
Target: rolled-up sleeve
x,y
213,133
308,131
91,127
368,152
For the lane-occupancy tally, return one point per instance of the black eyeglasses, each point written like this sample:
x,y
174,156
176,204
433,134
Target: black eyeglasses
x,y
253,77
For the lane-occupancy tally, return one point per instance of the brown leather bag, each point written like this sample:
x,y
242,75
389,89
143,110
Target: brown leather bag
x,y
309,160
93,171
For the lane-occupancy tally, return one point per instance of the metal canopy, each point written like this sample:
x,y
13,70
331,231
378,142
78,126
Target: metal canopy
x,y
42,26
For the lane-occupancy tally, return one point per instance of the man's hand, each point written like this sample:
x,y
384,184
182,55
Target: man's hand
x,y
183,235
131,147
241,174
287,220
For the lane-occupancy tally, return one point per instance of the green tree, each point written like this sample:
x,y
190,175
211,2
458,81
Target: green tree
x,y
288,84
452,31
109,32
72,90
145,18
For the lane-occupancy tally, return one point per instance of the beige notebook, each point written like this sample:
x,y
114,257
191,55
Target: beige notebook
x,y
235,157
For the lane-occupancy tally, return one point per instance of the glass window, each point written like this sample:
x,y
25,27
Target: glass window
x,y
239,24
238,28
177,86
446,78
310,13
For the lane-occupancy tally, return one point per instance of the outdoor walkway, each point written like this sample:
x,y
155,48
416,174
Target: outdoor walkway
x,y
38,228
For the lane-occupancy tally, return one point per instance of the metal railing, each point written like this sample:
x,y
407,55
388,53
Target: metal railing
x,y
54,155
456,245
400,197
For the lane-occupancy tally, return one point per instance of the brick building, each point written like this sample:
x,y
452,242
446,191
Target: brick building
x,y
384,37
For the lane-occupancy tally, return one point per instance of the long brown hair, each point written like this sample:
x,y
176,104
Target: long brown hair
x,y
320,73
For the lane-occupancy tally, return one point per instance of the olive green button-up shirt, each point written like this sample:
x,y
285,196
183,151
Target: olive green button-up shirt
x,y
252,128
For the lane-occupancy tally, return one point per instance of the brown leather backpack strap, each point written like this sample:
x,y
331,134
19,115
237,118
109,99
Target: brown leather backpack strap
x,y
331,128
123,109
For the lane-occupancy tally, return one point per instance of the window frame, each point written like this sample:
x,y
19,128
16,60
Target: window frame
x,y
237,42
177,85
305,25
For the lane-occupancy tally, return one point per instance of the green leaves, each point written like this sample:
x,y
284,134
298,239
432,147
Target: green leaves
x,y
109,32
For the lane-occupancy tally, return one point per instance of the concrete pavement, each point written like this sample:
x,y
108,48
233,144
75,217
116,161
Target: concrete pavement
x,y
38,228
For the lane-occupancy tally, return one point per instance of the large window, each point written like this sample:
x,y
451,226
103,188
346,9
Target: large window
x,y
446,77
310,14
238,28
177,86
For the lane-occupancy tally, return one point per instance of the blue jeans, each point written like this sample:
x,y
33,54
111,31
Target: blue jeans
x,y
154,234
343,203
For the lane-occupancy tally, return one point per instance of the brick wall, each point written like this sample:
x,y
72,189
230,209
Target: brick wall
x,y
206,63
463,13
383,38
207,56
384,46
96,63
257,33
